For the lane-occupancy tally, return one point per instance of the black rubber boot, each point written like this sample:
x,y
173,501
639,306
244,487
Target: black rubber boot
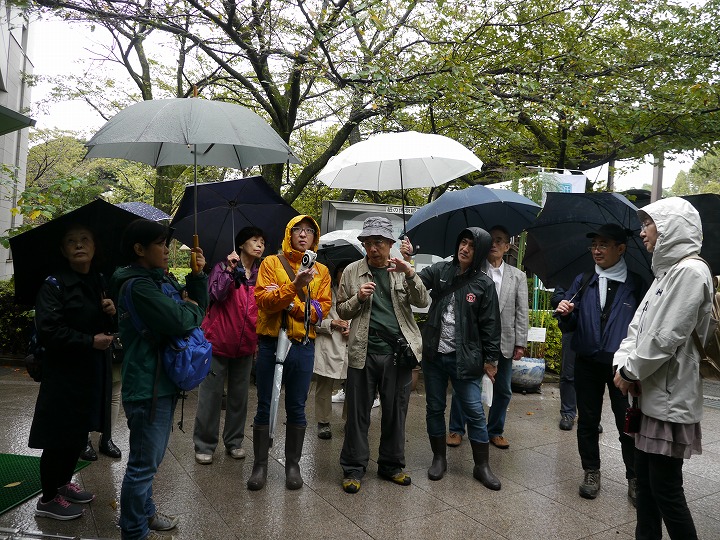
x,y
439,462
89,453
261,446
481,471
294,437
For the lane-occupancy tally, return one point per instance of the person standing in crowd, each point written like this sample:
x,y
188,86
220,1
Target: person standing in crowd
x,y
296,300
598,307
149,396
658,362
568,402
330,359
461,342
377,293
230,327
512,291
73,320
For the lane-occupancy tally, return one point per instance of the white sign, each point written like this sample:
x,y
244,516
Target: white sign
x,y
535,333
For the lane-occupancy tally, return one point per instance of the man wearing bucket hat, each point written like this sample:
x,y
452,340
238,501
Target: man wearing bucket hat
x,y
598,307
377,293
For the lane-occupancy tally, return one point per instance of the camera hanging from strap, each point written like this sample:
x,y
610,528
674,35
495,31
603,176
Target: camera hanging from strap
x,y
300,294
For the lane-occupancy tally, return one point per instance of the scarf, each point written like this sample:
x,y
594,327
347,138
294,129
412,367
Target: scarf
x,y
617,272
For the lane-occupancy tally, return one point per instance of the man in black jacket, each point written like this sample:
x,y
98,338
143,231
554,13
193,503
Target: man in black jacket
x,y
461,342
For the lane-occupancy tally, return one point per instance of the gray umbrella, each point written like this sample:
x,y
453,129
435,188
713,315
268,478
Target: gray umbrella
x,y
190,131
144,210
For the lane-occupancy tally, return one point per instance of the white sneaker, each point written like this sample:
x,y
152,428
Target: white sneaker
x,y
204,459
376,403
237,453
339,397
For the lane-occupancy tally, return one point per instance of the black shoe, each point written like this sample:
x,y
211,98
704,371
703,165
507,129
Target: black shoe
x,y
109,449
89,453
600,428
566,422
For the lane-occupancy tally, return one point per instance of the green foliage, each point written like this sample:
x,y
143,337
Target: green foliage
x,y
703,177
15,323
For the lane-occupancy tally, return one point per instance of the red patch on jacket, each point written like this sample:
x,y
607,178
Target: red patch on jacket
x,y
470,297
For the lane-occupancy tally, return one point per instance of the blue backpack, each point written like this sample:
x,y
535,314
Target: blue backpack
x,y
186,359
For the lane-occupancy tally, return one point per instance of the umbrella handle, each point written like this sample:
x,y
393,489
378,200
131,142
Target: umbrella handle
x,y
193,255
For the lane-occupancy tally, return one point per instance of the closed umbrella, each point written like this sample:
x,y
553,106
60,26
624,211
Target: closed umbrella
x,y
223,208
435,226
399,161
557,245
190,131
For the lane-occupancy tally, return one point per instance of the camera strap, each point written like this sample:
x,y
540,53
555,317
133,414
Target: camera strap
x,y
291,274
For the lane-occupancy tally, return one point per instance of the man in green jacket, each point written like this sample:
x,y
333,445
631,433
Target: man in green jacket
x,y
149,397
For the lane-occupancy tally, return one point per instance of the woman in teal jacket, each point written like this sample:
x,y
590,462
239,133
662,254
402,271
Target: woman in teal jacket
x,y
150,417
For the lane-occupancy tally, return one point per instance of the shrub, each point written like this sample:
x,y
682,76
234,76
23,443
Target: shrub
x,y
15,322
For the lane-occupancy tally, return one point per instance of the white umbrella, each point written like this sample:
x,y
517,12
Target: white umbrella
x,y
190,131
281,352
399,161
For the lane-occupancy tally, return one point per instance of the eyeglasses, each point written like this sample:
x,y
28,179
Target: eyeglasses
x,y
373,243
306,230
645,224
602,248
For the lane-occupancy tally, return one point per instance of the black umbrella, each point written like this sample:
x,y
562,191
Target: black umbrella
x,y
435,226
223,208
708,206
36,253
340,248
557,245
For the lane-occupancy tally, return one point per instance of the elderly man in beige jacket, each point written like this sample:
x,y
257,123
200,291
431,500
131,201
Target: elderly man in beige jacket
x,y
378,293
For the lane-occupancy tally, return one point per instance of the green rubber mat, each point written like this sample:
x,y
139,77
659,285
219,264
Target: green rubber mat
x,y
20,479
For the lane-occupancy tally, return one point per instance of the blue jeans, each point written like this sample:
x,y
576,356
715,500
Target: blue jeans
x,y
501,398
437,372
148,441
297,374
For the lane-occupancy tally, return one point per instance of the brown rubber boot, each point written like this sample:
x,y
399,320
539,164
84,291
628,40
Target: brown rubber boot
x,y
439,462
482,472
261,446
294,438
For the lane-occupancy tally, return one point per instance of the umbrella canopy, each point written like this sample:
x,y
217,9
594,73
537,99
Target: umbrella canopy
x,y
223,208
399,161
187,131
340,247
557,246
435,226
36,253
708,206
144,210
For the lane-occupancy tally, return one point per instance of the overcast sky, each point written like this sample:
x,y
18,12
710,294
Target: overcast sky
x,y
52,59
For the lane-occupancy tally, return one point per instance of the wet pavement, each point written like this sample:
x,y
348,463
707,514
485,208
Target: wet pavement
x,y
540,474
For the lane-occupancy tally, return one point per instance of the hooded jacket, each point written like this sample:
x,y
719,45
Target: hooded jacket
x,y
477,310
163,317
659,350
273,301
230,321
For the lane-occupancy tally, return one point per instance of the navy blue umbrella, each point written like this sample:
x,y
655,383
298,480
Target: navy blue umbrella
x,y
144,210
557,243
223,208
435,226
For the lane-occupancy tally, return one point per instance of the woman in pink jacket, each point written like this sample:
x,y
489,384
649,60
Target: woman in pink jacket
x,y
230,326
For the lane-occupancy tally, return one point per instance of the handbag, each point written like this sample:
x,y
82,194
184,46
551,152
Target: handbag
x,y
633,417
402,351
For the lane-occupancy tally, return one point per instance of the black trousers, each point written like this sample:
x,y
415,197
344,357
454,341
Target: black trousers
x,y
660,497
57,466
591,379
